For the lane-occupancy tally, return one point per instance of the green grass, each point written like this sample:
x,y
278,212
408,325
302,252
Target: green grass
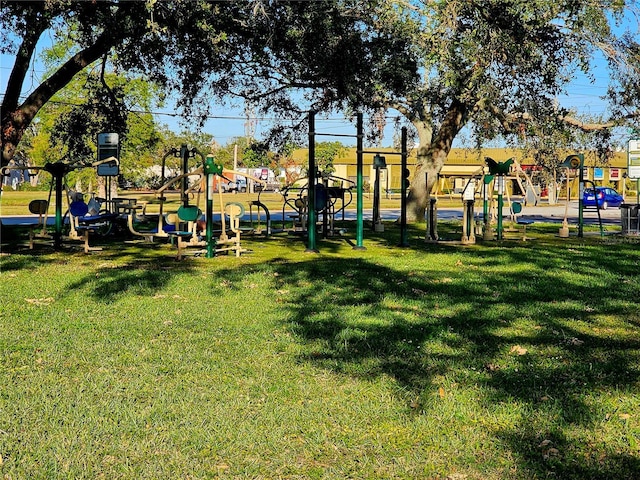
x,y
498,360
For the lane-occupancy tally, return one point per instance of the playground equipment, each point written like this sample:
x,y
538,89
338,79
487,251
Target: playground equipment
x,y
59,171
332,197
312,213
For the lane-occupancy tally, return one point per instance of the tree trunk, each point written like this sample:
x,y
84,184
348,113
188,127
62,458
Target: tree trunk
x,y
430,162
431,157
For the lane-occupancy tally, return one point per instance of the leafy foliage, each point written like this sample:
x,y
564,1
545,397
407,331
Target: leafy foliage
x,y
270,53
326,154
498,65
102,111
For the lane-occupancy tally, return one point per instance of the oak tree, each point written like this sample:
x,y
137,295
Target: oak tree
x,y
496,65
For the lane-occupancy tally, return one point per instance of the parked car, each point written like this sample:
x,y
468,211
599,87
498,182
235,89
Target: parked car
x,y
607,197
240,185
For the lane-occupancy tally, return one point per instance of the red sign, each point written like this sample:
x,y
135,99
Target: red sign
x,y
614,174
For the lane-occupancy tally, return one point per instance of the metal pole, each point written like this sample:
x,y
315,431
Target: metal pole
x,y
404,242
359,185
311,187
58,171
485,203
211,243
581,202
500,179
184,184
57,235
376,201
325,212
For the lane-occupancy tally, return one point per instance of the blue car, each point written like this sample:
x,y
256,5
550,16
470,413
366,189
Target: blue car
x,y
607,197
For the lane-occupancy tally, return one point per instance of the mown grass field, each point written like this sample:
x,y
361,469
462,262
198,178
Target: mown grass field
x,y
516,360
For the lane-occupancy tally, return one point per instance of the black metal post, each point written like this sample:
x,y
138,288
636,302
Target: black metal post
x,y
404,242
311,193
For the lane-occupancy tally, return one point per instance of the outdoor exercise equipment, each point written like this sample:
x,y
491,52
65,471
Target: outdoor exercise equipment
x,y
40,208
570,164
82,222
58,171
311,212
486,195
379,163
499,170
234,210
360,151
404,184
162,228
186,214
258,229
327,194
432,219
573,162
468,220
516,217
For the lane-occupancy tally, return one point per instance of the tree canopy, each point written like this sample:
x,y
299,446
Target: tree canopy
x,y
283,56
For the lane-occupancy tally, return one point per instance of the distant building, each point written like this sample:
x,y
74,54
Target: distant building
x,y
462,164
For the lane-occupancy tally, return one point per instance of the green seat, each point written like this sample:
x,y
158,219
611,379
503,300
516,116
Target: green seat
x,y
188,214
516,208
516,211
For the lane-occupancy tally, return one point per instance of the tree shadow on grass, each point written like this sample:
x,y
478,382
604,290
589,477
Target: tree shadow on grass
x,y
514,324
116,271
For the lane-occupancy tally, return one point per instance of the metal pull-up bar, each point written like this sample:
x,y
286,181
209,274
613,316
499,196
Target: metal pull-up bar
x,y
311,226
360,151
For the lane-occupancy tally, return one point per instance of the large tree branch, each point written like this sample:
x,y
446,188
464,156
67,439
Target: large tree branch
x,y
65,74
509,121
16,120
36,25
586,127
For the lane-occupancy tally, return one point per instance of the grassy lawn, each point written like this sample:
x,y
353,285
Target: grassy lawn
x,y
516,360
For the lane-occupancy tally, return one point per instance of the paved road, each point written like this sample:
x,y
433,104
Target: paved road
x,y
543,213
555,214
